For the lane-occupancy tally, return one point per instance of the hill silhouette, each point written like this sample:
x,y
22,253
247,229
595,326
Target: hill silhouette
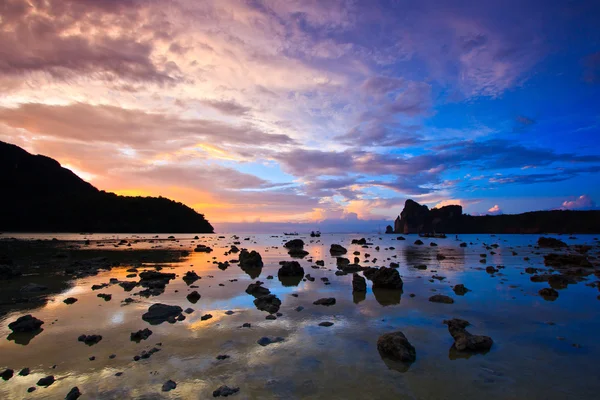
x,y
417,218
39,195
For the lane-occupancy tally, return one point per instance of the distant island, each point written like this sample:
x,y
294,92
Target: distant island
x,y
417,218
39,195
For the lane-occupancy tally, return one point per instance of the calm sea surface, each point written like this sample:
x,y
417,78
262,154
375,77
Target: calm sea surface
x,y
542,349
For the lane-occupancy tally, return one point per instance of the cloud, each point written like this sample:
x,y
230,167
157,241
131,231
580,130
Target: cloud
x,y
495,210
227,107
582,202
380,85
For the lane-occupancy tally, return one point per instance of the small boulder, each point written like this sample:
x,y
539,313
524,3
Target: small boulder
x,y
159,313
26,323
396,346
326,301
440,298
224,391
465,341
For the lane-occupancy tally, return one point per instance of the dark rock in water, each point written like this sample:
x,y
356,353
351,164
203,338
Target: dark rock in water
x,y
246,325
326,301
202,249
359,284
221,357
265,341
550,242
384,278
26,323
190,277
440,298
531,270
224,391
560,281
361,241
7,374
24,372
465,341
271,317
269,303
128,285
106,297
73,394
418,242
290,268
250,259
460,289
299,308
394,265
140,335
491,270
566,260
294,244
257,290
31,389
205,317
188,310
155,279
159,313
298,253
548,294
193,297
229,312
395,347
320,263
33,288
463,244
326,324
169,385
336,250
47,381
90,340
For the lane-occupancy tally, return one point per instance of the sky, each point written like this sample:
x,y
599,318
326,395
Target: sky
x,y
267,112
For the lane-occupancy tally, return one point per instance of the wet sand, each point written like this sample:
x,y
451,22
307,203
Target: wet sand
x,y
542,349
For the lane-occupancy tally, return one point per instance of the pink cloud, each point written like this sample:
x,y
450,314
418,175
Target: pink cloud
x,y
495,210
582,202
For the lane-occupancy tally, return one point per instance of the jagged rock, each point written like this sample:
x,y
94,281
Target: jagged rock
x,y
336,250
159,313
440,298
265,341
359,284
73,394
326,301
140,335
90,340
225,391
290,268
169,385
155,279
193,297
395,346
465,341
269,303
460,289
190,277
26,323
551,242
105,296
384,278
257,290
128,285
250,259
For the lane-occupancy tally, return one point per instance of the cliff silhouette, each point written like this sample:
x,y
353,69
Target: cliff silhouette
x,y
417,218
39,195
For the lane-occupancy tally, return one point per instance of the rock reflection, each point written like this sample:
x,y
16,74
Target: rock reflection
x,y
387,297
23,338
357,297
396,365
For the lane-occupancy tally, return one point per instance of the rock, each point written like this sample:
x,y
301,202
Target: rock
x,y
193,297
257,290
463,244
47,381
384,278
418,242
269,303
548,294
440,298
294,244
490,270
169,385
359,284
222,357
159,313
320,263
7,374
106,297
265,341
396,346
250,259
299,308
24,372
140,335
155,279
290,268
361,241
460,289
566,260
326,301
90,340
26,323
271,317
465,341
246,325
73,394
202,249
205,317
550,242
190,277
225,391
336,250
229,312
128,286
188,310
31,389
326,324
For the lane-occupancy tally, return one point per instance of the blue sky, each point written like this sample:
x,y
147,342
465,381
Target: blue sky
x,y
306,110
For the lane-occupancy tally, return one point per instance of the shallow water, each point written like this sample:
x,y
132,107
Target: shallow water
x,y
532,357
